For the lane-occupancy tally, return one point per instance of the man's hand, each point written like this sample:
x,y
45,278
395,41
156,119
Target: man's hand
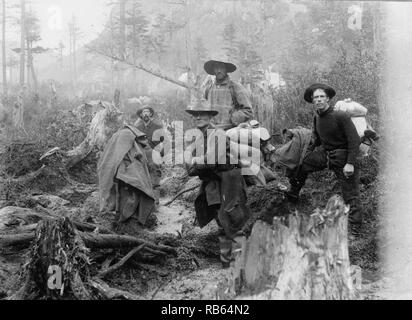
x,y
348,170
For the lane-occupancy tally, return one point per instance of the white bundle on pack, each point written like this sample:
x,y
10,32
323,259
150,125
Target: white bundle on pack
x,y
358,114
355,109
245,143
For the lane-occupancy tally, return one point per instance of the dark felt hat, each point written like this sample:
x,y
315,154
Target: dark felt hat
x,y
201,105
210,66
309,91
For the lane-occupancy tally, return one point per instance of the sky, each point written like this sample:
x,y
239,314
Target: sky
x,y
54,16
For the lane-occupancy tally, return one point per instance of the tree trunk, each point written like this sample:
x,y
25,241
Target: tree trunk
x,y
30,67
73,32
263,105
122,35
22,40
298,257
5,89
18,111
71,53
74,38
11,71
28,57
116,99
134,44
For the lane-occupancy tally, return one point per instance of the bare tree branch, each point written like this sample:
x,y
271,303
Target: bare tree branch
x,y
144,68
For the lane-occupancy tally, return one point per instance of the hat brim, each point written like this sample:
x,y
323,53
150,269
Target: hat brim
x,y
194,112
210,66
139,112
331,93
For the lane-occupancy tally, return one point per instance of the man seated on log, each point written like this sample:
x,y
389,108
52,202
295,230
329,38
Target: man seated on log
x,y
229,98
147,124
335,145
223,191
124,179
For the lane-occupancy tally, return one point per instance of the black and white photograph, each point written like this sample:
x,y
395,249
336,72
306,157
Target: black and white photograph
x,y
205,150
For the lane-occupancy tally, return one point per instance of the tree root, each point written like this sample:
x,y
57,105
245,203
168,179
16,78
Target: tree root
x,y
118,265
108,293
180,194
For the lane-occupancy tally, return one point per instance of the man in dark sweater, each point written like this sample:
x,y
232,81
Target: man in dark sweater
x,y
335,145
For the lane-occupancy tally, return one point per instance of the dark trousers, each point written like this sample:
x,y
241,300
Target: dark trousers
x,y
320,159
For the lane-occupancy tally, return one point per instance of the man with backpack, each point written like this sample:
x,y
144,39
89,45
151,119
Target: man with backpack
x,y
229,98
335,145
222,195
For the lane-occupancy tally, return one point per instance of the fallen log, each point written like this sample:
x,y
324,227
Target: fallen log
x,y
296,257
12,215
13,219
16,240
112,241
92,241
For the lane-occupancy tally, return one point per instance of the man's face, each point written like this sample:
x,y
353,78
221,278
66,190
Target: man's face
x,y
202,119
220,72
321,100
146,115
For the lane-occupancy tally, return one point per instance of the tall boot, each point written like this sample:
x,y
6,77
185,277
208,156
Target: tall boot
x,y
296,184
225,245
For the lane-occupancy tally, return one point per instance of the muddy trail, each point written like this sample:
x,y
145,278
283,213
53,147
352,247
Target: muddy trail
x,y
195,272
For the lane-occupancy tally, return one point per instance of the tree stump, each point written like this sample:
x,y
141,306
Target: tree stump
x,y
105,122
297,257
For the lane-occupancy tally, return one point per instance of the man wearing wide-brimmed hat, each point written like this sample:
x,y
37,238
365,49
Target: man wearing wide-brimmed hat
x,y
222,195
335,146
228,97
147,124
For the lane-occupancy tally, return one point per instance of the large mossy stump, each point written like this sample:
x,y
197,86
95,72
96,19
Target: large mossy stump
x,y
297,257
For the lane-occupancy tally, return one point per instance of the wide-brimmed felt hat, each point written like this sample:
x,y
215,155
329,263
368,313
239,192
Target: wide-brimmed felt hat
x,y
210,66
201,105
140,111
328,90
